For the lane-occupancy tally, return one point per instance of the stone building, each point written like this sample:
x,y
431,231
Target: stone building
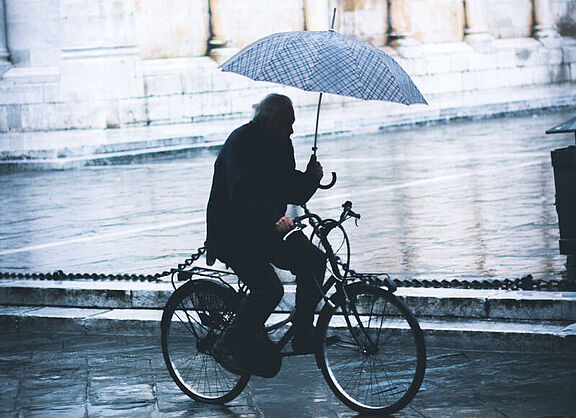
x,y
83,64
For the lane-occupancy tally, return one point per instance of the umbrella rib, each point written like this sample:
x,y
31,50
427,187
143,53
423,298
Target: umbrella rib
x,y
316,59
326,62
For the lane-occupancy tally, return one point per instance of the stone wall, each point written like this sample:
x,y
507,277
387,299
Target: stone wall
x,y
81,64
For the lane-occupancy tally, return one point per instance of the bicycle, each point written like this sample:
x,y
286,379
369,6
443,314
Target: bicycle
x,y
370,347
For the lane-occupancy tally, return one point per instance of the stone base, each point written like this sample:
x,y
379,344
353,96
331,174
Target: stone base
x,y
4,66
481,42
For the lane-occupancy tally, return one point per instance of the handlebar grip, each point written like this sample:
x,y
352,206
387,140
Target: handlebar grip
x,y
354,214
348,211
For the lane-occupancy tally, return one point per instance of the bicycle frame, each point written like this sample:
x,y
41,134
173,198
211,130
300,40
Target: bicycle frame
x,y
337,279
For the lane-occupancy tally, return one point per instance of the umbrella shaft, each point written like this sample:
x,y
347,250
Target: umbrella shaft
x,y
314,148
333,19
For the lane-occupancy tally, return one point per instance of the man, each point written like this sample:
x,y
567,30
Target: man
x,y
254,180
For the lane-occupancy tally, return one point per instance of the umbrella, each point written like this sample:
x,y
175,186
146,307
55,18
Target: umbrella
x,y
325,62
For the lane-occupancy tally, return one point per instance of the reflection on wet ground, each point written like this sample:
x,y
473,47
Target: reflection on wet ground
x,y
471,199
71,375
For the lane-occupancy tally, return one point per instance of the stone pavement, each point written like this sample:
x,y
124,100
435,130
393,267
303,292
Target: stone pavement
x,y
68,375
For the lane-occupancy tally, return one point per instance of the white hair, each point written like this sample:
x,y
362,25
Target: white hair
x,y
269,106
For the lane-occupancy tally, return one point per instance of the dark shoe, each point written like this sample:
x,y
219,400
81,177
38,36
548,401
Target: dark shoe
x,y
223,355
304,346
260,356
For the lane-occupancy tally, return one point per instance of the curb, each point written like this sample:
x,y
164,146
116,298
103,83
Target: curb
x,y
429,302
446,333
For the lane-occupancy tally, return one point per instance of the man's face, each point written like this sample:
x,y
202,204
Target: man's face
x,y
281,126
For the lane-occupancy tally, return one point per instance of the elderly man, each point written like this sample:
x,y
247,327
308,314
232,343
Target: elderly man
x,y
254,180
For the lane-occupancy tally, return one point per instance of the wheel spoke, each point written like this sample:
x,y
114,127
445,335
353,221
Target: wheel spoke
x,y
372,368
193,319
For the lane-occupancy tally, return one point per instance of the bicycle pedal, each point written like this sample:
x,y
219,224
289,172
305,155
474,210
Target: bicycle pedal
x,y
293,354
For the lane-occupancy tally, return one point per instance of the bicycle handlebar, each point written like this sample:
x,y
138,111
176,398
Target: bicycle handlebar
x,y
347,213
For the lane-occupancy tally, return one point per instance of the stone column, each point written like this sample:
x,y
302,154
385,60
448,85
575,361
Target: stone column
x,y
186,34
3,47
33,32
100,62
401,36
221,45
476,32
317,15
544,27
4,55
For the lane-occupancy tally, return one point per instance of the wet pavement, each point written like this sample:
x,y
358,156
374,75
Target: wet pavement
x,y
75,376
470,199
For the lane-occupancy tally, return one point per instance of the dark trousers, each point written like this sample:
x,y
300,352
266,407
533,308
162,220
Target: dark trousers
x,y
298,255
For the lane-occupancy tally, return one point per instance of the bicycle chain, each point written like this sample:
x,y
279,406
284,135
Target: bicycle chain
x,y
525,283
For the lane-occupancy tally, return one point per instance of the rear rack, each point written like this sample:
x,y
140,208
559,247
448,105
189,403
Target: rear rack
x,y
224,276
374,279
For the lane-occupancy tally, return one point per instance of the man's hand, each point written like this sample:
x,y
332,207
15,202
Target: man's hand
x,y
284,224
315,168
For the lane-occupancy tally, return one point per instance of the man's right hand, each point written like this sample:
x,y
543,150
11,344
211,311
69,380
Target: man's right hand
x,y
284,224
314,168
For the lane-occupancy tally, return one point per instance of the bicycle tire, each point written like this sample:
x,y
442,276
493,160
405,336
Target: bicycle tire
x,y
193,319
379,371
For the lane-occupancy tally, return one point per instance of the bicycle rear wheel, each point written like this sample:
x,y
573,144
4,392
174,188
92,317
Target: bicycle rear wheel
x,y
193,319
376,360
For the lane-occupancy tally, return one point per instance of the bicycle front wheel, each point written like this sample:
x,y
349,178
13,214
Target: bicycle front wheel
x,y
192,321
375,358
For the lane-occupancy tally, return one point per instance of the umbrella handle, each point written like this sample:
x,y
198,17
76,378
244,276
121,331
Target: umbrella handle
x,y
332,182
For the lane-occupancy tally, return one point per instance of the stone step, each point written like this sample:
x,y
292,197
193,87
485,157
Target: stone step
x,y
429,302
56,149
447,332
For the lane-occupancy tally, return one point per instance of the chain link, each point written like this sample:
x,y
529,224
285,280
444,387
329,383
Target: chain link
x,y
525,283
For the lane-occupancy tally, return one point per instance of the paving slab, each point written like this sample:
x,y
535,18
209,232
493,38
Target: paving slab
x,y
126,376
125,322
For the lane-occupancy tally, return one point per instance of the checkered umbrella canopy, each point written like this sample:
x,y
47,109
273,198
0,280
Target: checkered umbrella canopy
x,y
326,62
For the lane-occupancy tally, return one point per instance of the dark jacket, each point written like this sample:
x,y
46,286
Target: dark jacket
x,y
254,179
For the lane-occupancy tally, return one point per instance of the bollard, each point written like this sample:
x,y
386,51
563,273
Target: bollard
x,y
564,164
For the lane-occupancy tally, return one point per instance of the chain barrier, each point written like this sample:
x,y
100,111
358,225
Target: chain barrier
x,y
60,275
525,283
